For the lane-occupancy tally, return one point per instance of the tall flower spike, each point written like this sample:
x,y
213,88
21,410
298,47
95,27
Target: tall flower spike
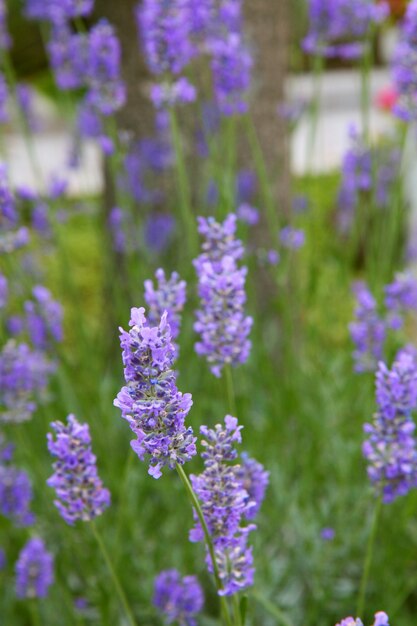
x,y
44,318
225,505
367,332
170,296
404,66
390,448
80,492
24,377
400,297
150,401
179,599
221,320
254,480
34,570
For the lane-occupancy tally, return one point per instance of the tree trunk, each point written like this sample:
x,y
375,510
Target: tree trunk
x,y
267,23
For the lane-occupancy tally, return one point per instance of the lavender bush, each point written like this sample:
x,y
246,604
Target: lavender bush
x,y
291,312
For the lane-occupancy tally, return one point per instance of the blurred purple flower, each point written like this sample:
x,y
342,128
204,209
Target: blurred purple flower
x,y
179,599
34,570
79,489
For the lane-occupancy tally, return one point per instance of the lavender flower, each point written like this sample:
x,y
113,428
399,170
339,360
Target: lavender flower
x,y
34,570
80,492
327,533
169,94
225,505
4,291
292,238
4,98
5,39
58,12
248,214
254,479
231,66
3,559
24,95
15,488
179,599
43,318
390,447
165,34
158,231
404,66
333,23
367,332
169,296
246,186
23,380
68,54
151,402
400,296
221,321
106,90
381,619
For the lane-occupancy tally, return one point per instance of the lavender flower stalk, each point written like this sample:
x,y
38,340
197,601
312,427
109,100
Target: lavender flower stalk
x,y
23,380
150,401
390,448
80,492
170,296
225,505
221,321
367,332
404,66
15,489
179,599
43,318
34,570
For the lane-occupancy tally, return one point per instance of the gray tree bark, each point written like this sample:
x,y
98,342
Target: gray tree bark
x,y
267,23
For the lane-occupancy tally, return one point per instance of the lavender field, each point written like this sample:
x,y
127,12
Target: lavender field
x,y
208,360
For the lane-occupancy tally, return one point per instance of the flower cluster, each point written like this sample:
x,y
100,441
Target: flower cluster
x,y
390,447
150,401
56,12
170,296
365,171
254,480
338,28
179,599
34,570
292,238
12,236
91,61
172,34
368,331
220,321
400,297
43,318
381,619
226,504
24,375
15,489
404,66
80,492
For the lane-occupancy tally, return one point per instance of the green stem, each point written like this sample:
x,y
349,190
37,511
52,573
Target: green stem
x,y
262,172
196,505
34,613
365,86
184,193
236,609
368,558
315,109
230,389
117,585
